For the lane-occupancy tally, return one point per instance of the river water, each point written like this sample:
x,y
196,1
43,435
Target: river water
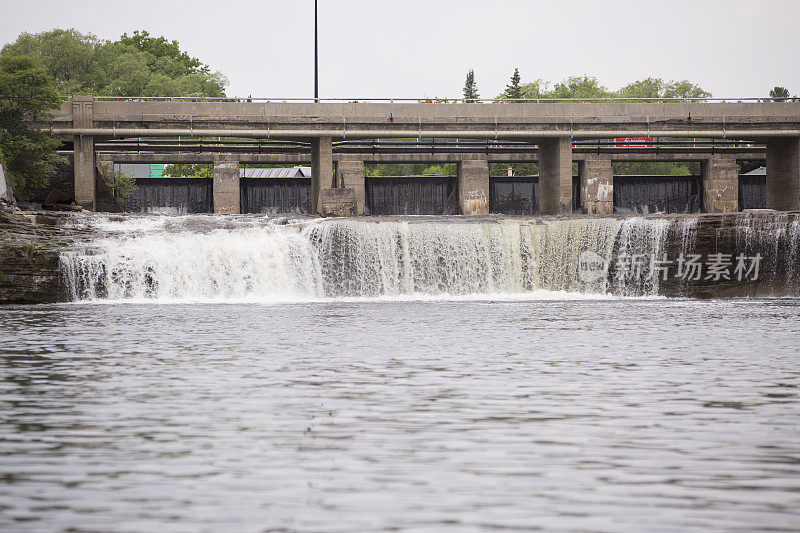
x,y
557,411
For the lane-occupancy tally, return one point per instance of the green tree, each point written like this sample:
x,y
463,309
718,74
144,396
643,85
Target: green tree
x,y
664,168
684,89
513,89
121,183
200,170
779,94
579,87
470,88
658,88
168,57
27,95
535,89
136,65
68,57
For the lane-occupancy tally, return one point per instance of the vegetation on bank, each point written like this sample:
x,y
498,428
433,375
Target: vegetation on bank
x,y
27,96
133,65
37,69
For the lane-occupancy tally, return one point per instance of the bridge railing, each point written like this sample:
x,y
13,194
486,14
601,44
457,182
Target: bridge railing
x,y
435,100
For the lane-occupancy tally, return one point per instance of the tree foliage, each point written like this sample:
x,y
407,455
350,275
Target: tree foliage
x,y
513,89
135,65
121,183
588,87
659,88
779,94
470,87
188,170
27,95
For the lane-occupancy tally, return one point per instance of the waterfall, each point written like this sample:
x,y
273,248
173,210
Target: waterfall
x,y
262,258
776,239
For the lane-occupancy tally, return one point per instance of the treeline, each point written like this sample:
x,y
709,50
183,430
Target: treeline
x,y
586,87
133,65
37,69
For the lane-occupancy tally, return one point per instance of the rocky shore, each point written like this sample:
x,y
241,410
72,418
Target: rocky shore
x,y
30,243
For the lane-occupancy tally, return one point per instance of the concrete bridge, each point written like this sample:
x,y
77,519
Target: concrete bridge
x,y
551,126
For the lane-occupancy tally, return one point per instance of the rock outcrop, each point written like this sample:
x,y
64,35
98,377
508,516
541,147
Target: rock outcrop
x,y
29,257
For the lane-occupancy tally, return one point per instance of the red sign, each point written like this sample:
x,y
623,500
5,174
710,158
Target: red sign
x,y
634,142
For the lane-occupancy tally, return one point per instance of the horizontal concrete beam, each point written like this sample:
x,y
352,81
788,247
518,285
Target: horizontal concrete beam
x,y
730,113
399,133
295,158
486,121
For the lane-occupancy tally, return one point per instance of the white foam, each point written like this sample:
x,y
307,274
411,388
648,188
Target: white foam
x,y
260,259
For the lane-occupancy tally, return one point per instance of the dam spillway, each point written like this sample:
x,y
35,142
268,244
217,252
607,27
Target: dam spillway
x,y
188,258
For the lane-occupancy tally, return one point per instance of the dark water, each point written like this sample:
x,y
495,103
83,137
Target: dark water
x,y
601,415
752,192
657,194
412,195
275,195
519,195
170,196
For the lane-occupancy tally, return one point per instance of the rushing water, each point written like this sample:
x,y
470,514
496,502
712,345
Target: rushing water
x,y
568,415
203,258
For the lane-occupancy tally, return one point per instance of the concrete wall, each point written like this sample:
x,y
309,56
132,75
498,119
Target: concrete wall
x,y
555,176
783,174
597,186
338,202
351,174
321,170
473,186
720,185
84,162
226,187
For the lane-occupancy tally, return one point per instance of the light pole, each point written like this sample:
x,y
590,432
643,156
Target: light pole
x,y
316,56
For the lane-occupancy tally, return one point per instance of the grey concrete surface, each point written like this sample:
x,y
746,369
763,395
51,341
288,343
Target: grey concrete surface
x,y
226,187
597,185
783,174
473,186
351,174
555,176
720,185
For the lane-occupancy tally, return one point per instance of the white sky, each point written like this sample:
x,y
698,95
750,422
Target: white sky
x,y
414,48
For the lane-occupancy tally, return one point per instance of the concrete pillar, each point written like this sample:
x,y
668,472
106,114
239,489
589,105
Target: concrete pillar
x,y
473,186
351,175
226,187
720,185
321,170
597,185
555,176
783,174
83,163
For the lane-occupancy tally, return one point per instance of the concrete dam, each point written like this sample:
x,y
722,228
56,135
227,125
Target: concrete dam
x,y
519,236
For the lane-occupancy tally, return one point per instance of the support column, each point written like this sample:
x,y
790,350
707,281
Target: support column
x,y
555,176
351,175
597,185
226,187
720,185
83,161
321,170
783,174
473,186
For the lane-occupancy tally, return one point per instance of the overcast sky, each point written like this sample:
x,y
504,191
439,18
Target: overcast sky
x,y
413,48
